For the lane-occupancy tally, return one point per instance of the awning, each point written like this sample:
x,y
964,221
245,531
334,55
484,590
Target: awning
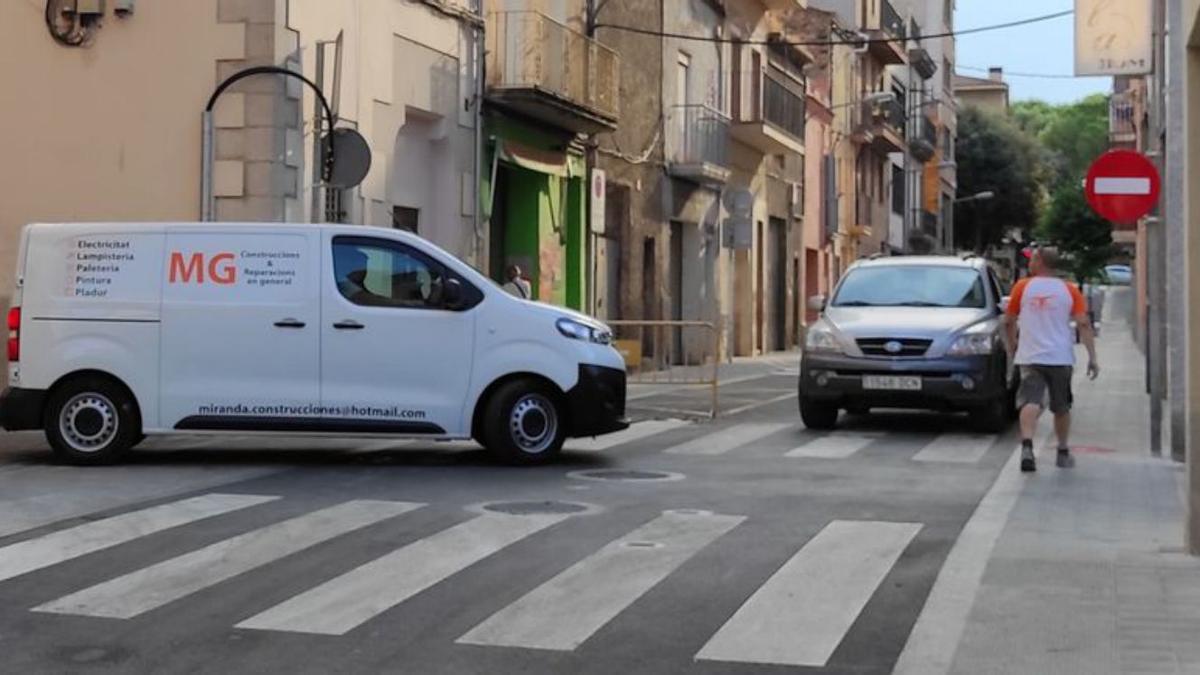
x,y
552,162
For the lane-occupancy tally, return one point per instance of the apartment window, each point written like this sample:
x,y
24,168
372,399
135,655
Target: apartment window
x,y
405,218
897,190
683,79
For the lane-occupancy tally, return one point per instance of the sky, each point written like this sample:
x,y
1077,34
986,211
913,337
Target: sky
x,y
1046,47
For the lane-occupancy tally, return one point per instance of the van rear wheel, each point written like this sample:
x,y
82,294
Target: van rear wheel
x,y
523,423
91,420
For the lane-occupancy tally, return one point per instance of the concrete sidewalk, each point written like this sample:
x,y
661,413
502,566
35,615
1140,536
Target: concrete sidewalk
x,y
1087,573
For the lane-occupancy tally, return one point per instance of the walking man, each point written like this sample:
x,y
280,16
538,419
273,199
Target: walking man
x,y
1040,311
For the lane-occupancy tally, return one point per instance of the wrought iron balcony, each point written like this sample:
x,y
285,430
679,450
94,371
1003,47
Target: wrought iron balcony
x,y
885,27
881,125
698,144
1122,122
770,111
551,73
923,144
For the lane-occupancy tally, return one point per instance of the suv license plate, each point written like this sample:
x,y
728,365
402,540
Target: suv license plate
x,y
891,382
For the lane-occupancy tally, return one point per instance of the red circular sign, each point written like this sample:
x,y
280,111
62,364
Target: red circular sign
x,y
1122,186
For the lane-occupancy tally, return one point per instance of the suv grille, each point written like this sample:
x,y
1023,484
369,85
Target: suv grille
x,y
908,346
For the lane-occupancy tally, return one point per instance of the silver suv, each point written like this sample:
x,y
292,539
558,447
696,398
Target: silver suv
x,y
910,332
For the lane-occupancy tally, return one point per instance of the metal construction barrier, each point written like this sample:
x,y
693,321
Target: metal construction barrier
x,y
671,353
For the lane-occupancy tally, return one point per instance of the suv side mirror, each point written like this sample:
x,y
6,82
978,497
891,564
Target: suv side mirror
x,y
817,303
452,294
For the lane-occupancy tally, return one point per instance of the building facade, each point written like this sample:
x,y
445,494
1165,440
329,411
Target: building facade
x,y
986,93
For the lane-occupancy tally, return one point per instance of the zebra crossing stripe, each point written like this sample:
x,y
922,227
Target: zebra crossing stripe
x,y
564,612
956,448
152,587
800,615
832,447
51,549
723,441
635,432
342,604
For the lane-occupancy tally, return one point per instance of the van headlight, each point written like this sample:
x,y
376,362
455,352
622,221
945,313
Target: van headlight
x,y
821,338
577,330
973,343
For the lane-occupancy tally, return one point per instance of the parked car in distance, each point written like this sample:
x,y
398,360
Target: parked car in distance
x,y
909,332
1118,275
118,330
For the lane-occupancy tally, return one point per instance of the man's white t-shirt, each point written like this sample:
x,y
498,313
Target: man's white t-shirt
x,y
1044,307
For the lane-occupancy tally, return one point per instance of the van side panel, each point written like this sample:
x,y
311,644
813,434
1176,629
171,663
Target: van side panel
x,y
91,301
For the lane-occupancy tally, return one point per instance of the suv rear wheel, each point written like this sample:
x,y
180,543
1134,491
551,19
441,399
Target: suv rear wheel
x,y
818,415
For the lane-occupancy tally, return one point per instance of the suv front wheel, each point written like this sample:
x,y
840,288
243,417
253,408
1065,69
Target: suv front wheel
x,y
818,415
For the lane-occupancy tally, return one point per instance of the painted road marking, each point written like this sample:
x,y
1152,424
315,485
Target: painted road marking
x,y
720,442
342,604
1122,186
958,448
635,432
564,612
839,446
800,615
151,587
934,639
51,549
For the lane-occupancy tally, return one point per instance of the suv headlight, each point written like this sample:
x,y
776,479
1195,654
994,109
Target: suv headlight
x,y
973,343
577,330
821,338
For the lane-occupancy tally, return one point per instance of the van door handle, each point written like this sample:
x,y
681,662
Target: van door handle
x,y
348,325
290,323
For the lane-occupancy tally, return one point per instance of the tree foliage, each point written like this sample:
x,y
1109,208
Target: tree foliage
x,y
1083,236
994,155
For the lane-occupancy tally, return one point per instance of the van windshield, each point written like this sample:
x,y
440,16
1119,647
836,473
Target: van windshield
x,y
911,286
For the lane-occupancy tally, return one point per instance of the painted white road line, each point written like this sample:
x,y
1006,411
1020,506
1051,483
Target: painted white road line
x,y
800,615
341,604
635,432
151,587
56,547
1122,186
757,404
958,448
565,611
723,441
837,446
935,637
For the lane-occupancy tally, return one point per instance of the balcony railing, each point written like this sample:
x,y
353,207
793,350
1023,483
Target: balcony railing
x,y
697,135
783,103
890,20
529,51
1121,118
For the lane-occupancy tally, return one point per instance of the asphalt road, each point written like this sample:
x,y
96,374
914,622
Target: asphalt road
x,y
745,545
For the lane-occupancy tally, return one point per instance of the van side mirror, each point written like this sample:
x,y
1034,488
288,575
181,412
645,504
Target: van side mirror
x,y
817,303
452,294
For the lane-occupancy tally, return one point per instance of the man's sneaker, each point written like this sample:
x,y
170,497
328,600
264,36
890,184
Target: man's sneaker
x,y
1064,459
1028,463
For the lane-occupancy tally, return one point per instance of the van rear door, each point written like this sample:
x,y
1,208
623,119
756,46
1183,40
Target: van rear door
x,y
241,328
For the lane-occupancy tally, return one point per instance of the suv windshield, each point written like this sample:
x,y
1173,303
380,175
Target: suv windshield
x,y
912,286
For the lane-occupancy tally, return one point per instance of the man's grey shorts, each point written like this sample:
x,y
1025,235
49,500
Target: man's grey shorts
x,y
1037,381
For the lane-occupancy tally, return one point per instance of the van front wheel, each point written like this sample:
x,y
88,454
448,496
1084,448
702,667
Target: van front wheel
x,y
91,420
523,423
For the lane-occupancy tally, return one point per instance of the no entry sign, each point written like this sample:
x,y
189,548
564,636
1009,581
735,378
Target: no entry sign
x,y
1122,186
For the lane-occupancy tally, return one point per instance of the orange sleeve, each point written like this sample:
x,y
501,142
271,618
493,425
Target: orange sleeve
x,y
1078,304
1014,298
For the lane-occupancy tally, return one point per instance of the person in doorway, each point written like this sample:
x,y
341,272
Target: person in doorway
x,y
516,284
1040,311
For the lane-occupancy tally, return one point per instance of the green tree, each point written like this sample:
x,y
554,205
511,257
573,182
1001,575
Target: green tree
x,y
993,155
1033,116
1076,135
1083,236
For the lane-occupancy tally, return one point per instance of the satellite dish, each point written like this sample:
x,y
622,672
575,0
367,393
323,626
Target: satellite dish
x,y
350,160
739,201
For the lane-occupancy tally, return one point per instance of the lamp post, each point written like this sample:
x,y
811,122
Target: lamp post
x,y
977,197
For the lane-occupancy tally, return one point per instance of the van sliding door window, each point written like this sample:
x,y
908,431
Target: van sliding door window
x,y
378,273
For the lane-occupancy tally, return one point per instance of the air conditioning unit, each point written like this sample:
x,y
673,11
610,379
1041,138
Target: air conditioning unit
x,y
797,200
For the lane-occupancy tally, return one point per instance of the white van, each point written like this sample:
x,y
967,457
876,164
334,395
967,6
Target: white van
x,y
119,330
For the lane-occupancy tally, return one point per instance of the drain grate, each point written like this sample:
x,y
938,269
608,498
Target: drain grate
x,y
532,508
625,475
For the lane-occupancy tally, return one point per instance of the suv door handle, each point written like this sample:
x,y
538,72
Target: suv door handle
x,y
290,323
348,324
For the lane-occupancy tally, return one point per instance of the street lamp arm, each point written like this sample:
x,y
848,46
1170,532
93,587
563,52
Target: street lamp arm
x,y
271,70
